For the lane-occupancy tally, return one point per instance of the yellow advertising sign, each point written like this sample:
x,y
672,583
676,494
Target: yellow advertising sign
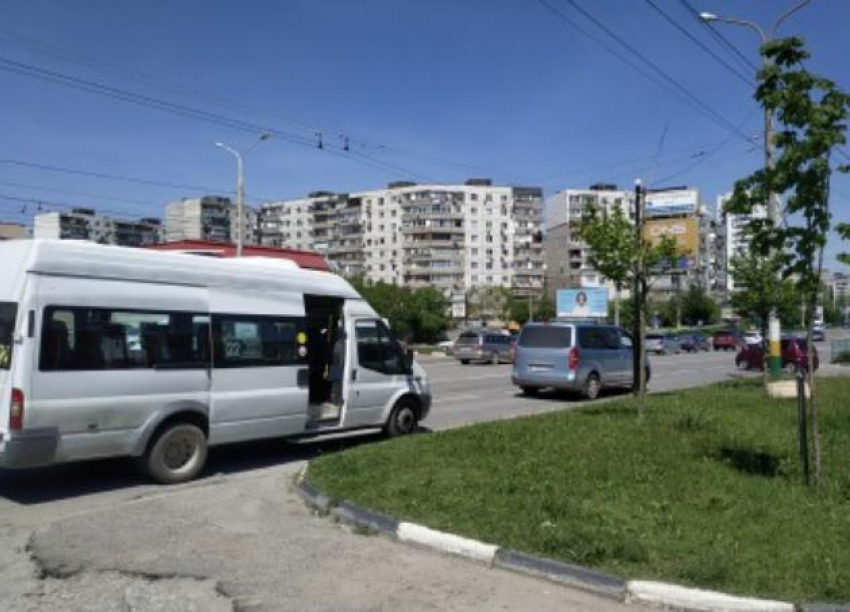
x,y
684,231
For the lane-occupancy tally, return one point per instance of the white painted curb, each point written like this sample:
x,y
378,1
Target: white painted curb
x,y
698,600
447,542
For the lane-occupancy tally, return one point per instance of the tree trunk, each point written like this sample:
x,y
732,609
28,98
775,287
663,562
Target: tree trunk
x,y
617,305
642,355
810,352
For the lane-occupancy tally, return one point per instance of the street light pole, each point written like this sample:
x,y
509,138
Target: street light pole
x,y
774,360
240,188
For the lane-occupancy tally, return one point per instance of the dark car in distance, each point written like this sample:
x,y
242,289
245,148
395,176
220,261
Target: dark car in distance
x,y
792,351
693,343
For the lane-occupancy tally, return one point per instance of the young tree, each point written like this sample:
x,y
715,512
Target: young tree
x,y
618,253
812,113
610,229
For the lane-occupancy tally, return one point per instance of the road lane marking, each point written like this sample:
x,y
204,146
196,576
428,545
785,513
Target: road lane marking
x,y
452,398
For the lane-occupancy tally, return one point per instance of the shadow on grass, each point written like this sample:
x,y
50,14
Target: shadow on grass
x,y
750,461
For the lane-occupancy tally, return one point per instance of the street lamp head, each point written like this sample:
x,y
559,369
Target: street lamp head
x,y
708,17
638,182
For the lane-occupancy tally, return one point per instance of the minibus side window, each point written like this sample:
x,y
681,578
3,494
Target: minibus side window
x,y
90,339
377,348
8,314
242,341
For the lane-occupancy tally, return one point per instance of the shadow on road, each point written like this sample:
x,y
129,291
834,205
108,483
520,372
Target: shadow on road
x,y
47,484
561,395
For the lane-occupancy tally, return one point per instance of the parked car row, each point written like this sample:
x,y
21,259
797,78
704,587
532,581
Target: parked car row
x,y
667,344
793,352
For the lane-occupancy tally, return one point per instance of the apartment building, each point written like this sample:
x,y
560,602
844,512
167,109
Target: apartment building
x,y
735,234
567,256
86,224
451,237
13,231
209,218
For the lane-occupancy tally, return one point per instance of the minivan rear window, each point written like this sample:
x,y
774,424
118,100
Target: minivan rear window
x,y
546,336
8,314
467,338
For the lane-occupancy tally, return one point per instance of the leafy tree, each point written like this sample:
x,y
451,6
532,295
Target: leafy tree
x,y
812,113
758,292
696,307
416,315
618,253
488,303
614,230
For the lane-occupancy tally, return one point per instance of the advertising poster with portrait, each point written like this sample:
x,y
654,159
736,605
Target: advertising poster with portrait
x,y
586,303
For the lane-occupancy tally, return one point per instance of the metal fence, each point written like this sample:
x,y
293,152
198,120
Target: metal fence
x,y
840,348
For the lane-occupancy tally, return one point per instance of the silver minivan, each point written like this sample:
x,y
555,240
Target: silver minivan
x,y
483,346
581,357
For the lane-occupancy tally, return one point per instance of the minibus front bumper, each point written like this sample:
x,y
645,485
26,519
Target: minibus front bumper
x,y
28,448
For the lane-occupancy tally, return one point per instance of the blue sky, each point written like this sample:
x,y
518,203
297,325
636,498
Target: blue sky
x,y
439,90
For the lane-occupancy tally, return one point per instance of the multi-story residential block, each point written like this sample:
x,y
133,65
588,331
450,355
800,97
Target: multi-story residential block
x,y
567,256
212,218
451,237
86,224
12,231
736,234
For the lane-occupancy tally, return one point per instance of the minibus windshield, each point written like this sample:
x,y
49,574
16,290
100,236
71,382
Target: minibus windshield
x,y
8,313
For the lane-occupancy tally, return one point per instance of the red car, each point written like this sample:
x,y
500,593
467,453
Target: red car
x,y
792,350
726,339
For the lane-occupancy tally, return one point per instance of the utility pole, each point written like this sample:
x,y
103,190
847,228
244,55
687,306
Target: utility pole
x,y
240,188
774,360
639,356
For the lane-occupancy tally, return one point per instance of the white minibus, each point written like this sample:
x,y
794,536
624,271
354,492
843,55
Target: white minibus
x,y
111,351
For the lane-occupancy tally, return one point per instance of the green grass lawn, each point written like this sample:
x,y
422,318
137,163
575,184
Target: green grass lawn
x,y
706,492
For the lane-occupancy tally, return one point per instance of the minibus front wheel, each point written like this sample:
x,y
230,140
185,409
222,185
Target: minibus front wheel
x,y
177,454
404,418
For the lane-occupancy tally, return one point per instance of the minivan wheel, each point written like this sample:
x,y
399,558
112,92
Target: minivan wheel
x,y
592,387
743,365
464,361
530,391
177,454
403,420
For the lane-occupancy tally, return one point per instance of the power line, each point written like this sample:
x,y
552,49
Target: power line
x,y
148,80
41,204
613,51
707,110
114,177
730,48
700,44
81,194
65,80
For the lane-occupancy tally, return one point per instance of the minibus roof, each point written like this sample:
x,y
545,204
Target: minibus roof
x,y
90,260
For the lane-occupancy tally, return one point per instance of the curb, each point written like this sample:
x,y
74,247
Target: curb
x,y
654,594
698,600
562,573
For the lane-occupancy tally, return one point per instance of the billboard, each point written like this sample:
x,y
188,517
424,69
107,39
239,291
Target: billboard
x,y
586,303
672,202
685,231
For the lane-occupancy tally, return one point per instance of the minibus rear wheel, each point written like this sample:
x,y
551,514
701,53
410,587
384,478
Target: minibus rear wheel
x,y
178,454
404,418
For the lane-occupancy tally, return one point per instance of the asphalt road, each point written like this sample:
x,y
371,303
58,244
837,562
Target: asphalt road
x,y
466,394
95,536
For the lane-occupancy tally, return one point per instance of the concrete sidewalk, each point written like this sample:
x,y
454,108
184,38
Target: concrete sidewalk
x,y
251,535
